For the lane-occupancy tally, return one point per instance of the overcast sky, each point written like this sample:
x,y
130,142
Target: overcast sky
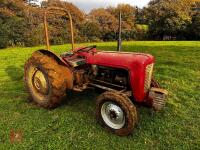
x,y
87,5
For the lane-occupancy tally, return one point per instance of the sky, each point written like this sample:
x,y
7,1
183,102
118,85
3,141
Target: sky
x,y
87,5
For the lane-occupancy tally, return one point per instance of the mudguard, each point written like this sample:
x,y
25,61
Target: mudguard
x,y
57,58
63,65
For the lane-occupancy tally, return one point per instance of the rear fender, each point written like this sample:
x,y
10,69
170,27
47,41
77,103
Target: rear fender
x,y
57,58
68,73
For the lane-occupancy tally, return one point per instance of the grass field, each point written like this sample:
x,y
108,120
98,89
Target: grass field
x,y
73,124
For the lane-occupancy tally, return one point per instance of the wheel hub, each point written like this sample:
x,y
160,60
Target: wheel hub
x,y
113,115
40,83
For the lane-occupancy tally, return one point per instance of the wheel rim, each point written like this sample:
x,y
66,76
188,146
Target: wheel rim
x,y
40,82
113,115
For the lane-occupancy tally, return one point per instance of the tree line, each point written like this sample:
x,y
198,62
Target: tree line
x,y
21,22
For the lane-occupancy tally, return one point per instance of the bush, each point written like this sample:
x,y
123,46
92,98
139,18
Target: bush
x,y
4,39
90,30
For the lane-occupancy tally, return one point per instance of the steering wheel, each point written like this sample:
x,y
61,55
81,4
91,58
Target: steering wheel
x,y
86,49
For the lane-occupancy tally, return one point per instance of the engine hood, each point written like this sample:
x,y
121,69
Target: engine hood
x,y
135,63
119,59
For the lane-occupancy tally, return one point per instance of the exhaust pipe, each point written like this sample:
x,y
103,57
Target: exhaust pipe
x,y
119,43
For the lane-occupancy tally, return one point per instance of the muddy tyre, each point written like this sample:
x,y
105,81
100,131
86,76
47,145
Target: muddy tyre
x,y
116,113
45,80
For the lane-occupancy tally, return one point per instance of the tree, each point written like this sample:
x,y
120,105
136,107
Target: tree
x,y
34,3
168,17
59,25
90,31
12,13
194,27
141,15
76,13
106,21
128,15
4,39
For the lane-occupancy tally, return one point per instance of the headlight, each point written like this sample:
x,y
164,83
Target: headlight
x,y
148,77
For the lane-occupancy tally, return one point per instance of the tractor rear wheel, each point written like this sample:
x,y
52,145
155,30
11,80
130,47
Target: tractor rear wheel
x,y
116,113
45,80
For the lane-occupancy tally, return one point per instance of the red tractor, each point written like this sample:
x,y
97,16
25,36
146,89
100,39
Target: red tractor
x,y
123,76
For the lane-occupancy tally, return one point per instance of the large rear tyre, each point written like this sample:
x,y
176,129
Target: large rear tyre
x,y
46,80
116,113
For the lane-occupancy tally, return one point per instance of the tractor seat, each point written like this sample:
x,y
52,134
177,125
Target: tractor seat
x,y
67,54
75,62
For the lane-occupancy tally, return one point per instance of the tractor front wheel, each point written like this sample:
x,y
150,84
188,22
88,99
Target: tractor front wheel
x,y
116,113
45,80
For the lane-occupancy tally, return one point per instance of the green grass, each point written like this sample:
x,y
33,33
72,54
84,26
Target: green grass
x,y
73,124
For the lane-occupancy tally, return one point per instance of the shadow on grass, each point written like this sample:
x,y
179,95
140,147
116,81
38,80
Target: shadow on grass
x,y
80,101
15,73
87,97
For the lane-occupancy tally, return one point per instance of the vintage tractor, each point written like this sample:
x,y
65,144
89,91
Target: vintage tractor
x,y
123,76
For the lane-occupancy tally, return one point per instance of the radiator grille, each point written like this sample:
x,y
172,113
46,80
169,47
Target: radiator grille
x,y
148,76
